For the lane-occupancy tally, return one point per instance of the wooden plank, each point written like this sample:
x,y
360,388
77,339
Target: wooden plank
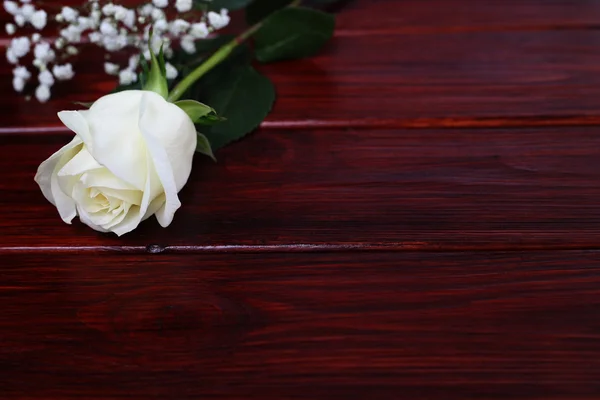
x,y
422,16
351,326
426,16
402,79
397,189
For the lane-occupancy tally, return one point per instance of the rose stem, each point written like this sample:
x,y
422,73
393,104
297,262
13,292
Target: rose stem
x,y
214,60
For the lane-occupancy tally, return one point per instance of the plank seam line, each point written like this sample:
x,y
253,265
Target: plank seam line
x,y
290,248
417,123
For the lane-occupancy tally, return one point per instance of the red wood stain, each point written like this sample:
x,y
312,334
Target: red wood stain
x,y
418,218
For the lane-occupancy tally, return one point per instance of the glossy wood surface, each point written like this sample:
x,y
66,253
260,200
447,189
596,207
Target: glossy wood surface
x,y
417,219
313,326
418,189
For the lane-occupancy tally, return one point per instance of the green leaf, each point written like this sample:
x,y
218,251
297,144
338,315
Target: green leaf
x,y
194,109
260,9
294,32
240,94
324,2
218,4
186,63
203,146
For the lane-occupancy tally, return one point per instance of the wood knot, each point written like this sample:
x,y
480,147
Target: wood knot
x,y
155,249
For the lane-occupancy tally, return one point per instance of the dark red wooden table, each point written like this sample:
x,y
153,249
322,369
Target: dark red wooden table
x,y
419,218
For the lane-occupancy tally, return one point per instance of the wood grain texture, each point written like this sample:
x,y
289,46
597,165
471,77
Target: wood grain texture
x,y
314,326
339,254
527,76
401,189
375,17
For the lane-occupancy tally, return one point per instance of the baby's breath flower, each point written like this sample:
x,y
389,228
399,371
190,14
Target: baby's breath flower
x,y
171,71
129,19
10,56
27,11
183,5
10,28
20,76
178,26
20,46
46,78
95,37
108,9
199,30
133,62
127,77
157,14
20,20
69,14
107,27
146,9
12,7
112,27
21,72
85,23
219,21
161,26
160,3
188,44
39,19
111,69
42,93
18,84
63,72
43,53
71,33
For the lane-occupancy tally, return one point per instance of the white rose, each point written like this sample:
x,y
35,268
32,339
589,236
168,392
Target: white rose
x,y
131,155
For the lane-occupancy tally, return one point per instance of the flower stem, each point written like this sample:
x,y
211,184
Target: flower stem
x,y
214,60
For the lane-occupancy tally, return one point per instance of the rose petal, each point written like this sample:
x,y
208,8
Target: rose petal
x,y
46,178
82,162
161,162
85,218
104,178
128,196
154,206
137,214
174,132
115,134
94,212
75,121
120,216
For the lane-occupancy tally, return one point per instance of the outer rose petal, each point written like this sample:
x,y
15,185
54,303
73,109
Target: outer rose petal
x,y
174,131
113,135
46,178
82,162
160,160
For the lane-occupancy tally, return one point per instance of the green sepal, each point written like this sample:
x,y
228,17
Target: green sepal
x,y
83,104
203,146
194,109
210,119
156,76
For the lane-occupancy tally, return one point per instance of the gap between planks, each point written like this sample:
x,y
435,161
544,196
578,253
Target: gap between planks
x,y
413,247
397,123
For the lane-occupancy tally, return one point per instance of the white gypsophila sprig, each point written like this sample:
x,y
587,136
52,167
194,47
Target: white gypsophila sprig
x,y
113,27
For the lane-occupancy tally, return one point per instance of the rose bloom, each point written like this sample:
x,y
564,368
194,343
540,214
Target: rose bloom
x,y
131,155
